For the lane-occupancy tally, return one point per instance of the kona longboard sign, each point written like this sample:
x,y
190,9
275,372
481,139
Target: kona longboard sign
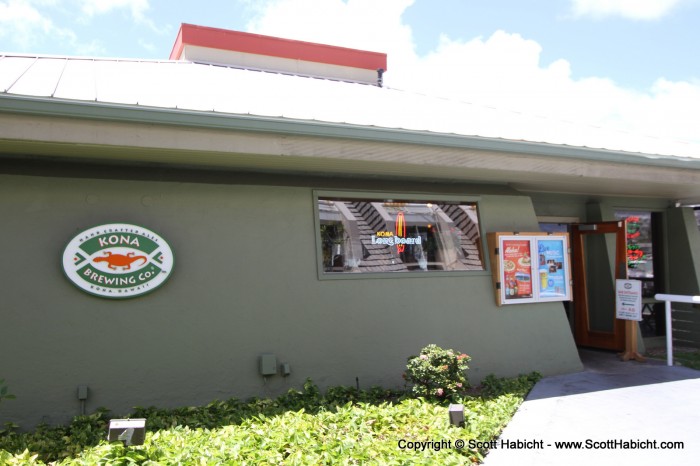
x,y
117,260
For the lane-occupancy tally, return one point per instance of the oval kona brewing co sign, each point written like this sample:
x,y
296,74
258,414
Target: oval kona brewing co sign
x,y
117,260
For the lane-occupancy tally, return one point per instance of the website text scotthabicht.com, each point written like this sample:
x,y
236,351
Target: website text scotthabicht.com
x,y
518,444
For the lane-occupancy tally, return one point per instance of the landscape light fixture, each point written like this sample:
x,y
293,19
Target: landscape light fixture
x,y
456,415
128,431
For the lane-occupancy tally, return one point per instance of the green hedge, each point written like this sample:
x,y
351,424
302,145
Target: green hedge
x,y
344,426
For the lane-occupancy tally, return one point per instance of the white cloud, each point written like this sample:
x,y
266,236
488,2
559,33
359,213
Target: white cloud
x,y
20,17
26,25
364,24
98,7
502,71
137,9
149,46
630,9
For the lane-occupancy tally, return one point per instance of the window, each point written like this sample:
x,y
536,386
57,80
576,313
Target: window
x,y
640,259
380,235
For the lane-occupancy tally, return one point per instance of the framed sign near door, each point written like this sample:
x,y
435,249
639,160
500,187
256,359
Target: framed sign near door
x,y
553,270
530,267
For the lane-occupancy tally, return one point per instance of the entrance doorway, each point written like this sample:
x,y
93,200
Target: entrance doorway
x,y
645,236
593,245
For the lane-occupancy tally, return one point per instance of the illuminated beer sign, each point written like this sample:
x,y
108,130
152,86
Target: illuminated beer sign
x,y
400,231
397,237
388,238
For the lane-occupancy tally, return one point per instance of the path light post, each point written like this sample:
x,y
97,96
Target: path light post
x,y
456,415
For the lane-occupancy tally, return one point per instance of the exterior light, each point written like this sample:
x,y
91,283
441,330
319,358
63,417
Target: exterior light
x,y
129,431
456,415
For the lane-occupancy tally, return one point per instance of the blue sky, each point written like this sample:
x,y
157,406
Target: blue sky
x,y
627,64
632,52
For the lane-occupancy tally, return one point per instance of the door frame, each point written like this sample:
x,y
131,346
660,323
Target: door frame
x,y
583,335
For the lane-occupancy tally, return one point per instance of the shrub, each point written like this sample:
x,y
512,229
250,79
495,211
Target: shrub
x,y
344,426
438,373
52,443
493,387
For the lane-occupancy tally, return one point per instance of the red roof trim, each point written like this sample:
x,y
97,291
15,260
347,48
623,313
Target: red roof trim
x,y
236,41
176,52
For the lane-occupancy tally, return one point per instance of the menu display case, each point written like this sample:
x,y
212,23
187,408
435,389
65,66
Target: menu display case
x,y
530,267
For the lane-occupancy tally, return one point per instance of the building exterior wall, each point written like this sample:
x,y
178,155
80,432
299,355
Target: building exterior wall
x,y
684,275
245,282
684,252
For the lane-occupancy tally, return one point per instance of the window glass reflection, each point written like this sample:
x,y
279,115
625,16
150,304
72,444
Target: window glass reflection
x,y
359,235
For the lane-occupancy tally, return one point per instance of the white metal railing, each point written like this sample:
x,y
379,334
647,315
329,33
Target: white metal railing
x,y
673,298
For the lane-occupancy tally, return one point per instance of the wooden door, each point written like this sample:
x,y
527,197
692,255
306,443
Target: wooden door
x,y
595,324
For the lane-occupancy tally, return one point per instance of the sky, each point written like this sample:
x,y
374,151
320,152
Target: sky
x,y
626,65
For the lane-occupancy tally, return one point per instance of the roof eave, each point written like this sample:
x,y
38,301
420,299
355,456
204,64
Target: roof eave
x,y
50,107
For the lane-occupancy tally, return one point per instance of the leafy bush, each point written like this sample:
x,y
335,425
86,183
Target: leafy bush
x,y
492,387
437,373
51,443
344,426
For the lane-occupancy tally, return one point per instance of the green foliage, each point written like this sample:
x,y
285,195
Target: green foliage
x,y
437,373
4,395
687,357
52,442
233,411
344,426
492,387
57,442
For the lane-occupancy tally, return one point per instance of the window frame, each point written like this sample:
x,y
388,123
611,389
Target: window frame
x,y
403,196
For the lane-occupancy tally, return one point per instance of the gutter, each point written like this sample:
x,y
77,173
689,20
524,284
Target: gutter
x,y
49,107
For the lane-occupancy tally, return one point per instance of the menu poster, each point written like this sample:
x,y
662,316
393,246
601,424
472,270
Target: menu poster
x,y
517,269
530,267
628,299
552,265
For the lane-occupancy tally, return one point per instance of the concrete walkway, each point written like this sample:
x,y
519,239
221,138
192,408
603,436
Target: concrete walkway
x,y
638,405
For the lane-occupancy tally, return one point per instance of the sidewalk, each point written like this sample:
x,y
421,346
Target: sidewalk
x,y
609,401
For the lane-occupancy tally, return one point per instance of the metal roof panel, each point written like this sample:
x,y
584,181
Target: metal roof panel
x,y
231,91
12,69
77,81
40,78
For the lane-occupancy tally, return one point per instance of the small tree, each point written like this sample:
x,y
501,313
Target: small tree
x,y
438,373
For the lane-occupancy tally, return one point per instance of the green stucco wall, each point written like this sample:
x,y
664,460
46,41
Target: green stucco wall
x,y
684,275
245,283
683,252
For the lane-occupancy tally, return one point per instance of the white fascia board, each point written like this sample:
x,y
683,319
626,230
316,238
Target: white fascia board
x,y
49,107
